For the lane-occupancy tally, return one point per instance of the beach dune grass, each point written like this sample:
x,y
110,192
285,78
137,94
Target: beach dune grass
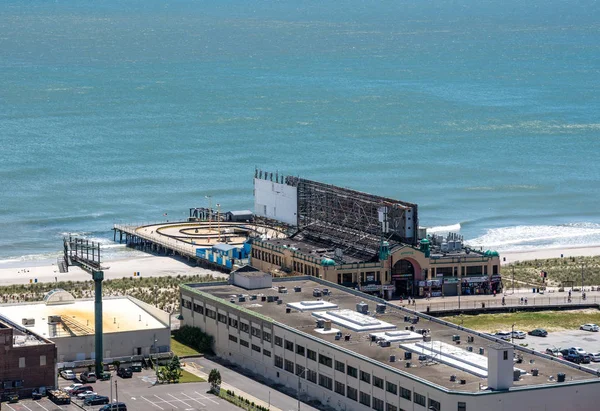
x,y
527,321
561,271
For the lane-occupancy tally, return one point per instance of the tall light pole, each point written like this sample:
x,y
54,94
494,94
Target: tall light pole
x,y
512,334
299,380
209,212
582,279
219,221
459,284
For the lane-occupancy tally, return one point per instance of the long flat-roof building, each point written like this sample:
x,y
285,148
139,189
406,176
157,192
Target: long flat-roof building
x,y
364,241
130,327
353,351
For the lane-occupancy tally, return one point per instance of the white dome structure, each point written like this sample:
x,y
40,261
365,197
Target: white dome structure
x,y
59,296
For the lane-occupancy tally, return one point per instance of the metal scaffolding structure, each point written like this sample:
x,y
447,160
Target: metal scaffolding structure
x,y
353,221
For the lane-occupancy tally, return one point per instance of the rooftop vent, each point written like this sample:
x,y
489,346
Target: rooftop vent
x,y
560,377
392,358
380,308
362,308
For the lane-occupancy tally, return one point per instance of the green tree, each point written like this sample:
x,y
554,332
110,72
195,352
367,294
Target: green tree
x,y
174,369
214,379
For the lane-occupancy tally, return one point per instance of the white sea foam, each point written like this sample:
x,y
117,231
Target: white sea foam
x,y
442,229
526,237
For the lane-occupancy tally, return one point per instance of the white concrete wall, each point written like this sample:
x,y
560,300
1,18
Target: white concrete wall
x,y
275,200
115,344
554,396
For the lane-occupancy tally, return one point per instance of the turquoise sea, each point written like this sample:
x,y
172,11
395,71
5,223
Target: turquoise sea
x,y
485,113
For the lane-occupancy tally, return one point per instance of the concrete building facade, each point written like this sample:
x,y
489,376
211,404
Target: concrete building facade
x,y
355,372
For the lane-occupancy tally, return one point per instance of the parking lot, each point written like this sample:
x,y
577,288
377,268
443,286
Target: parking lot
x,y
589,341
140,394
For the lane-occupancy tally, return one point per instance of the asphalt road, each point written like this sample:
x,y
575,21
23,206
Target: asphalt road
x,y
260,391
140,394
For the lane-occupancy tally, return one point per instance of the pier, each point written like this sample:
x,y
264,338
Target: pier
x,y
187,237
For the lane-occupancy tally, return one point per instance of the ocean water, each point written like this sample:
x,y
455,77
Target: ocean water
x,y
484,113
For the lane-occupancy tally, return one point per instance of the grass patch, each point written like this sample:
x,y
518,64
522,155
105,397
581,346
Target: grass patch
x,y
187,376
181,350
527,321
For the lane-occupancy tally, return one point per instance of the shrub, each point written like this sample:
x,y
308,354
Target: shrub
x,y
195,338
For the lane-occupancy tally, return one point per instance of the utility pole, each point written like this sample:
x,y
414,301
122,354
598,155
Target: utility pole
x,y
582,279
209,213
459,286
513,280
298,393
116,393
219,221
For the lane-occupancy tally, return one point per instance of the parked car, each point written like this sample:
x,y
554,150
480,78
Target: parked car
x,y
67,374
538,332
115,406
88,376
503,335
79,390
595,357
590,327
10,397
96,400
105,376
85,394
72,387
519,334
125,372
577,355
136,367
555,352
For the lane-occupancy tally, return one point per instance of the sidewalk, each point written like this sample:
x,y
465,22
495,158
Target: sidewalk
x,y
191,367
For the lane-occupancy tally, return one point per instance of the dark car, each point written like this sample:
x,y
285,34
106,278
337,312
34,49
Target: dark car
x,y
96,400
125,372
81,389
114,406
538,332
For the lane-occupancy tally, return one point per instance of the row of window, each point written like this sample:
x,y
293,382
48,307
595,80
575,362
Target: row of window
x,y
354,394
267,257
246,344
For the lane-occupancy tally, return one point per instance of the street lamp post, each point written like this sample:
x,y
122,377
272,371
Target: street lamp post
x,y
459,284
219,221
582,293
209,212
299,380
512,334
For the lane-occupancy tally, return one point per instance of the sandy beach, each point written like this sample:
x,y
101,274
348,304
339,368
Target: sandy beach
x,y
508,257
147,266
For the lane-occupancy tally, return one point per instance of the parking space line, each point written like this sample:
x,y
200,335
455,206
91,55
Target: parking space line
x,y
26,407
177,399
193,399
156,405
38,403
165,401
8,405
205,398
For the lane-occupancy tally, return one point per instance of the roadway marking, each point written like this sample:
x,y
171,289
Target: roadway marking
x,y
8,405
156,405
205,398
38,403
177,399
165,401
26,407
193,399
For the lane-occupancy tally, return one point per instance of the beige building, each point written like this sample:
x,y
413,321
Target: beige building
x,y
402,271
